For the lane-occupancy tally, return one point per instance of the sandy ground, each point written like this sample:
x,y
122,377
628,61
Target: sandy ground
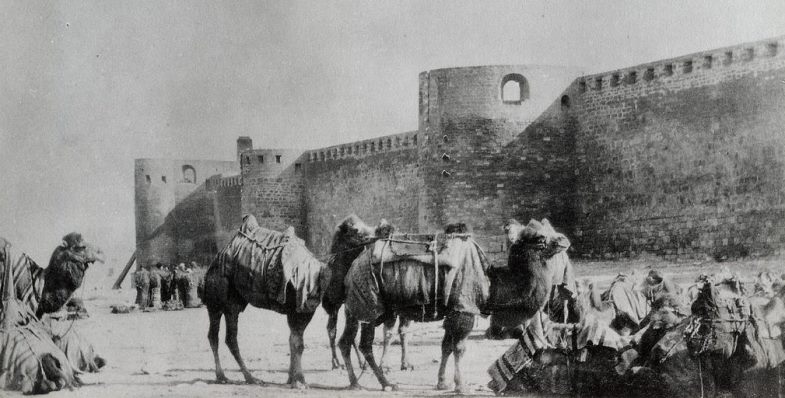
x,y
166,354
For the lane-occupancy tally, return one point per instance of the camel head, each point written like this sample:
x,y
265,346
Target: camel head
x,y
456,228
577,305
512,228
74,248
384,229
351,233
667,311
533,234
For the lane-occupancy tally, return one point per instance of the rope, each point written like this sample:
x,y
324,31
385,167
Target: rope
x,y
435,251
700,374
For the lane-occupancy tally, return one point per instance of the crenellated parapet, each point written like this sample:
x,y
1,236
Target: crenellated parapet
x,y
711,65
365,148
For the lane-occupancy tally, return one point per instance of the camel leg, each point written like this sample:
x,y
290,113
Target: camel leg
x,y
297,324
403,331
460,333
345,344
447,347
389,324
332,331
212,336
232,316
366,348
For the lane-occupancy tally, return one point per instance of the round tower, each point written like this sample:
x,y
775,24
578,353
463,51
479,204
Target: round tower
x,y
496,143
155,197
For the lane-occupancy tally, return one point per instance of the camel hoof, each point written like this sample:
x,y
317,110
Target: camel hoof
x,y
221,379
407,366
390,387
355,387
254,381
442,386
462,390
298,385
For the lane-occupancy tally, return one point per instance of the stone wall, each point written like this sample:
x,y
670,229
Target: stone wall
x,y
680,157
174,211
273,188
373,179
683,157
486,158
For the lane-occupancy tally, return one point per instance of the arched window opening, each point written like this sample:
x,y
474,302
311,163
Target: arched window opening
x,y
514,88
189,174
565,103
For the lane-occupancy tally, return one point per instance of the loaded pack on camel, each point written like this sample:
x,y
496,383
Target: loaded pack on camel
x,y
270,270
350,239
732,339
725,343
30,361
564,349
421,277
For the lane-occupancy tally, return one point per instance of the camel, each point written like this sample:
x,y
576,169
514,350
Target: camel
x,y
31,362
567,348
664,366
269,270
524,287
350,239
66,271
404,284
730,343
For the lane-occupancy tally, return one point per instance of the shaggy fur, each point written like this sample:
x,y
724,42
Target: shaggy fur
x,y
351,237
66,272
457,324
223,298
522,289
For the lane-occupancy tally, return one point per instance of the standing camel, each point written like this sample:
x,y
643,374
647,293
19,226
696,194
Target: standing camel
x,y
269,270
446,282
351,237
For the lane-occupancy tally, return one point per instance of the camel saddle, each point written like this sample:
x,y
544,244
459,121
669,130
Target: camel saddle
x,y
404,246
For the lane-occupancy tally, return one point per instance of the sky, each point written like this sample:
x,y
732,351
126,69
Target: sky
x,y
88,86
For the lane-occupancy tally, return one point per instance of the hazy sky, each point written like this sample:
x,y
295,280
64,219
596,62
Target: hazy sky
x,y
86,87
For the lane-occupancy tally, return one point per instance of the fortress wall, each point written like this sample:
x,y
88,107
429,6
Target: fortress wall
x,y
162,185
486,159
684,156
273,187
371,182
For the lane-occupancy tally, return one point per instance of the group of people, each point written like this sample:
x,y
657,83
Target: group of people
x,y
168,286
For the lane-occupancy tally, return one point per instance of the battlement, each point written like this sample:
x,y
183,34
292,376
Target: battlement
x,y
678,157
220,181
365,148
741,56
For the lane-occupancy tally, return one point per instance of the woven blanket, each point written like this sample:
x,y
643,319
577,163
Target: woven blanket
x,y
627,300
543,335
262,263
66,336
371,289
23,352
27,275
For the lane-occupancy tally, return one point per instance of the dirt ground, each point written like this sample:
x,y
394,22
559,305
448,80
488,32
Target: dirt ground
x,y
166,354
